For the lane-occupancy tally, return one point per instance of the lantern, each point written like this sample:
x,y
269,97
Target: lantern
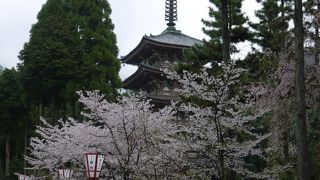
x,y
93,162
23,177
65,173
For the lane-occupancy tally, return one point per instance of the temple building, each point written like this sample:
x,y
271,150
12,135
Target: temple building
x,y
155,53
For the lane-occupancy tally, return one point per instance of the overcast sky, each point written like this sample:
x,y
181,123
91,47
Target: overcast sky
x,y
132,18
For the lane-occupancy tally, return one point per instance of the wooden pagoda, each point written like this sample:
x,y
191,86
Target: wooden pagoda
x,y
155,53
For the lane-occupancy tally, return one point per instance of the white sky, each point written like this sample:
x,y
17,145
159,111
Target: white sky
x,y
132,18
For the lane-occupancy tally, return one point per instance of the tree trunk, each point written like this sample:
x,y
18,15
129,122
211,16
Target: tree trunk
x,y
317,41
225,31
301,134
282,10
7,156
25,149
73,104
1,158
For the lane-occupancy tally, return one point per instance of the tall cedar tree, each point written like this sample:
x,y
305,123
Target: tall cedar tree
x,y
271,31
71,47
12,122
50,60
211,50
100,66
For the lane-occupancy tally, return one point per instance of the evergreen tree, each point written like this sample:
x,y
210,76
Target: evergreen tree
x,y
211,50
236,22
101,66
225,31
311,25
12,122
71,47
272,29
49,59
269,33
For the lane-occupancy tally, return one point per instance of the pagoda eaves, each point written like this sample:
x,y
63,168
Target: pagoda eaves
x,y
172,39
144,74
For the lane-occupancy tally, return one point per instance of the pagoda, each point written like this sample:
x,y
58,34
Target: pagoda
x,y
155,53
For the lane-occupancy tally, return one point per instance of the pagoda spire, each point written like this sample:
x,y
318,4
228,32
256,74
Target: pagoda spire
x,y
171,13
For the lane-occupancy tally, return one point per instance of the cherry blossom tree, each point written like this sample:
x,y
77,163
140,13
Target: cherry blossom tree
x,y
212,133
65,143
129,132
216,128
279,98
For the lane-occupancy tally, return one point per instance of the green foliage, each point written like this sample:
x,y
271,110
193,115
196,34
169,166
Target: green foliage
x,y
259,65
211,50
238,32
100,64
271,30
271,33
12,110
12,117
314,139
16,165
72,47
49,59
199,55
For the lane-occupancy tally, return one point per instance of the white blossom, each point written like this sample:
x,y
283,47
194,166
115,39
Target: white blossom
x,y
211,128
129,132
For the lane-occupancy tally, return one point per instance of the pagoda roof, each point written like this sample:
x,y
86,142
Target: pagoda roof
x,y
138,79
174,37
168,39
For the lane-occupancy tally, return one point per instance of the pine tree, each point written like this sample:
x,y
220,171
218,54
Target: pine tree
x,y
236,21
272,29
311,25
270,34
211,50
225,30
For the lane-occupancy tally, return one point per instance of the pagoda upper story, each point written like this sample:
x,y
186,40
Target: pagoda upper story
x,y
155,53
169,40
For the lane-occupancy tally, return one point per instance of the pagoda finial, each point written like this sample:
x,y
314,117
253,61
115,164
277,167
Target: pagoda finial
x,y
171,13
